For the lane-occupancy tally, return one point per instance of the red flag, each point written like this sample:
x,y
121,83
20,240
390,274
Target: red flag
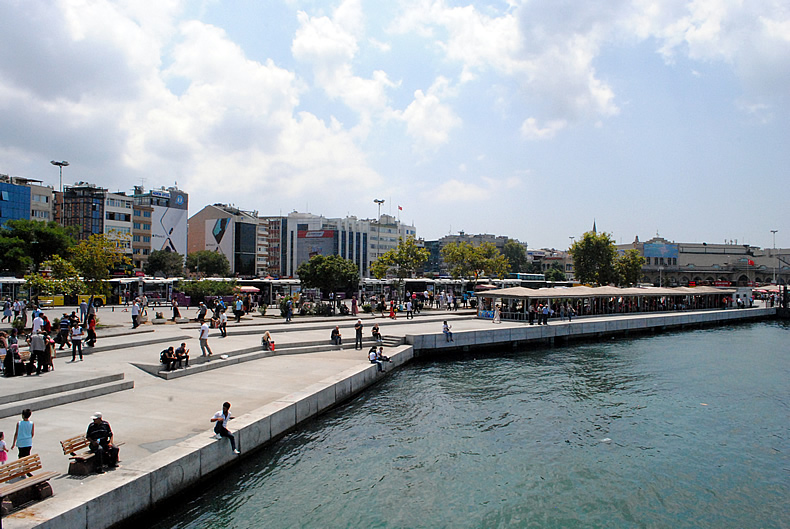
x,y
751,263
400,208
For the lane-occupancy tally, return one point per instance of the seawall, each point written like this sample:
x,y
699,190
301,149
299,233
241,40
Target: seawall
x,y
516,334
144,484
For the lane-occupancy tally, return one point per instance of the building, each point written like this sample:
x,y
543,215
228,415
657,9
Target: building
x,y
233,232
436,264
24,198
669,263
81,205
160,222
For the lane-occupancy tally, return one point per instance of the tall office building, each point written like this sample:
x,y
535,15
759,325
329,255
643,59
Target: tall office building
x,y
234,233
24,198
160,222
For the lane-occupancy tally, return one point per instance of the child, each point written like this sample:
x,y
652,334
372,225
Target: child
x,y
3,450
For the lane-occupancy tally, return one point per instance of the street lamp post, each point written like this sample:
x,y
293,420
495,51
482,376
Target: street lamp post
x,y
775,258
61,165
379,202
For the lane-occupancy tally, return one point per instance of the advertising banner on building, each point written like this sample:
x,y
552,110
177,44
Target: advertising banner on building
x,y
169,229
654,249
316,242
219,236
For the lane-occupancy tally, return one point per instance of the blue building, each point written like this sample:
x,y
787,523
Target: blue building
x,y
14,202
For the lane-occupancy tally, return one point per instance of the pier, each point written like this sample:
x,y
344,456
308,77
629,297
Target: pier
x,y
164,421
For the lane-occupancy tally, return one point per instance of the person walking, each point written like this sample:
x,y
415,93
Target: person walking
x,y
497,314
220,421
223,324
91,341
135,314
203,338
24,433
83,311
409,310
358,335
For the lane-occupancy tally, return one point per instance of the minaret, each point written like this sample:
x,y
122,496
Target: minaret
x,y
594,230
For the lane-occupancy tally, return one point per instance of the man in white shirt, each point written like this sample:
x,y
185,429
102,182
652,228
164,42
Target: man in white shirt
x,y
204,339
38,323
220,421
135,315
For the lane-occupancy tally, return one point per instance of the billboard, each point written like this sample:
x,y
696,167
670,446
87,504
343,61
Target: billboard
x,y
658,249
219,236
310,243
169,229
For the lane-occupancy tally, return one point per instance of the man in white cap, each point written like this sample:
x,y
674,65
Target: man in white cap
x,y
358,339
100,436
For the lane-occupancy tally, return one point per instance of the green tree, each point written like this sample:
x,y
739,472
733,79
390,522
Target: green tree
x,y
198,290
466,260
25,244
402,261
555,273
95,258
329,273
165,263
208,263
516,256
629,267
594,259
56,276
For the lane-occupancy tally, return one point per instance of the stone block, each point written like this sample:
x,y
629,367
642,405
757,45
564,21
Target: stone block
x,y
117,496
282,419
362,379
342,389
253,430
171,470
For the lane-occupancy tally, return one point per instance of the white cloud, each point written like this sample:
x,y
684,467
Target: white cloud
x,y
429,120
455,190
532,131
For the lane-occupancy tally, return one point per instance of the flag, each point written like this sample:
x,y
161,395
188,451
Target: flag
x,y
751,263
400,208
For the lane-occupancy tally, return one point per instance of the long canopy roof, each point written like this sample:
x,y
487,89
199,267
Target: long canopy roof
x,y
591,292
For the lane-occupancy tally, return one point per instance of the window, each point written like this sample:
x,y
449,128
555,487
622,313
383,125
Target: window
x,y
137,213
4,196
39,214
147,214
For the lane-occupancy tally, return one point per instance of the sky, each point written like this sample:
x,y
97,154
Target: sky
x,y
525,118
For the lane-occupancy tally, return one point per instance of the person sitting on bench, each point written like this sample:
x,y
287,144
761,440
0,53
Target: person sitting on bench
x,y
100,436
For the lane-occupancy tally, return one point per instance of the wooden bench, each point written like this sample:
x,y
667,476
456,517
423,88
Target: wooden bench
x,y
82,463
30,487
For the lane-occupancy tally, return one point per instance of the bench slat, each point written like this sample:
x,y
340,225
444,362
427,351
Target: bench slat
x,y
20,467
10,488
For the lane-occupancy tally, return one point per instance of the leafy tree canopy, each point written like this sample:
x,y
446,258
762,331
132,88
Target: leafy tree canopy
x,y
25,244
329,273
57,276
95,258
208,263
402,261
629,267
555,273
162,262
198,290
594,259
516,256
465,260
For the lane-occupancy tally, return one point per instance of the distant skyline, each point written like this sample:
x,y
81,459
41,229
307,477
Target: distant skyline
x,y
520,118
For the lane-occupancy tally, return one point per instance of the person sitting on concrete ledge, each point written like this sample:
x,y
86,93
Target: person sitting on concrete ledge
x,y
220,421
182,356
373,357
267,342
337,338
380,355
168,358
376,333
446,330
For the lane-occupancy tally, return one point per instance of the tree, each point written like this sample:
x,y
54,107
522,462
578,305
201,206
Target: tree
x,y
329,273
25,244
208,263
95,258
402,261
516,256
165,263
198,290
555,273
57,276
629,267
594,259
465,260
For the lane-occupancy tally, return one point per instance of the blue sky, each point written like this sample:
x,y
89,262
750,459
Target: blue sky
x,y
520,118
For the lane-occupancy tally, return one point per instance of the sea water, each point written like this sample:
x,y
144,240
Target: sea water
x,y
685,429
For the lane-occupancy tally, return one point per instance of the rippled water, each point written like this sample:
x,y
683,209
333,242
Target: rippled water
x,y
677,430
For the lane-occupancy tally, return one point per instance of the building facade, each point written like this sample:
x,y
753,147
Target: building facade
x,y
160,222
24,198
231,231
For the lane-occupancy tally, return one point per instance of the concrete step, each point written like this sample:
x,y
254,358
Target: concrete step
x,y
66,351
200,364
60,388
50,401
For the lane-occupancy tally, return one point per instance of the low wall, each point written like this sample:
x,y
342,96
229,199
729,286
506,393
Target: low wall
x,y
142,485
581,329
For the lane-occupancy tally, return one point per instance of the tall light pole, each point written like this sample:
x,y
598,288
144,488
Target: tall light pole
x,y
379,202
775,259
61,165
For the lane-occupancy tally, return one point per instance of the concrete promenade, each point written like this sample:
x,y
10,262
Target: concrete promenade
x,y
164,424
